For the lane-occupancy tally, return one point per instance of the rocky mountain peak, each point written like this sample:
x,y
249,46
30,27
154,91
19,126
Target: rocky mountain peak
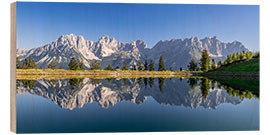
x,y
106,39
214,38
139,43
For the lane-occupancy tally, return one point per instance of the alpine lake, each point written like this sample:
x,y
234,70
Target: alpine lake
x,y
79,105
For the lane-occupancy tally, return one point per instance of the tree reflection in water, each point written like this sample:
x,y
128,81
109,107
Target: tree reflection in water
x,y
205,88
204,85
161,83
151,81
145,82
75,83
125,81
140,81
193,82
26,83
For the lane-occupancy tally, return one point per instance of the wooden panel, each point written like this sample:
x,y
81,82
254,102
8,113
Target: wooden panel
x,y
13,68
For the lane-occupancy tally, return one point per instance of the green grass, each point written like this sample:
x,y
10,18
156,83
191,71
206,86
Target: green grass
x,y
247,66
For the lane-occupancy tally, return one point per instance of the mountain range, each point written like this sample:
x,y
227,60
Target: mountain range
x,y
176,52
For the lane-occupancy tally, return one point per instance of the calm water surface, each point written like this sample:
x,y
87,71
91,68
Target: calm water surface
x,y
133,105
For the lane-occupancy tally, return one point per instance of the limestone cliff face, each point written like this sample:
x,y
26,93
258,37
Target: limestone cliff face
x,y
176,52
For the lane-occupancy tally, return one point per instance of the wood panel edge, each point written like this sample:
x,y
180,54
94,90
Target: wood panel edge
x,y
13,67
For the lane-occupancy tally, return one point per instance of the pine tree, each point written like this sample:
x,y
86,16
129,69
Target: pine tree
x,y
180,69
25,64
18,63
234,57
192,65
81,65
219,63
134,67
257,55
161,66
242,56
53,64
205,61
146,65
116,68
140,66
229,58
109,67
214,66
249,55
32,63
73,64
125,67
95,65
171,69
152,66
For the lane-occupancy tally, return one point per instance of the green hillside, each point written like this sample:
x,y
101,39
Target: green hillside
x,y
248,66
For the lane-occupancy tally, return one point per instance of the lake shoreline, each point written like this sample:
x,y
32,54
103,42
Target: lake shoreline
x,y
61,73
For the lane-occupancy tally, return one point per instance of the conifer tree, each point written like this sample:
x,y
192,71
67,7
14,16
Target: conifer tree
x,y
81,65
32,63
180,69
229,58
116,68
146,65
134,67
257,55
95,65
140,66
234,57
219,63
242,56
73,64
192,65
205,61
214,66
109,67
249,54
18,63
25,64
125,67
161,66
61,67
53,64
152,66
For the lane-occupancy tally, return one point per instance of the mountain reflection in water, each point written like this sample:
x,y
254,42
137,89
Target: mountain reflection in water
x,y
191,92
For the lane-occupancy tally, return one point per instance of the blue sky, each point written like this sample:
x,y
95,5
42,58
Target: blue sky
x,y
41,23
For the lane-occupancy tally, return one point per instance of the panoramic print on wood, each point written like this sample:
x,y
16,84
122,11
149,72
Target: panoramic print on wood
x,y
115,67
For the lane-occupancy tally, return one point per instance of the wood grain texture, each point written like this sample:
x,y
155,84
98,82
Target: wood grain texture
x,y
13,68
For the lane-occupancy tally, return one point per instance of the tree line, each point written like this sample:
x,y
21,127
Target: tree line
x,y
205,64
77,64
26,63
